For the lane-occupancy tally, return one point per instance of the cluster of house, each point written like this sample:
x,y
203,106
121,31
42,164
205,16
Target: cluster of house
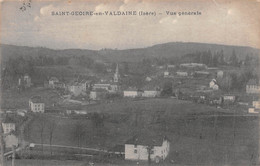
x,y
84,87
167,74
190,69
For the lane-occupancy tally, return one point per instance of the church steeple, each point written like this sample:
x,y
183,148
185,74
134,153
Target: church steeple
x,y
116,75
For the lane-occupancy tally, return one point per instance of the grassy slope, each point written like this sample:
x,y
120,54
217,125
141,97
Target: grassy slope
x,y
13,99
184,123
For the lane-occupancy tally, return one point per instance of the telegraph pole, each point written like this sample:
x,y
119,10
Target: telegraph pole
x,y
13,156
1,142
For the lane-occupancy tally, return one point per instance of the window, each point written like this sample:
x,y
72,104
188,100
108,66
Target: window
x,y
135,151
135,146
152,152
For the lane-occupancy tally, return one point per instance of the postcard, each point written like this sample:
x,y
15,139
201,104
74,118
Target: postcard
x,y
129,82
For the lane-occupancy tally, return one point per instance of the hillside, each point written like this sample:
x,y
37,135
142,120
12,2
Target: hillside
x,y
165,50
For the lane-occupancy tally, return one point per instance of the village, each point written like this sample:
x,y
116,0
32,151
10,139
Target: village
x,y
100,103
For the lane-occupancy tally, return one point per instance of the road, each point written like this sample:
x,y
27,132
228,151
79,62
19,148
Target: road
x,y
73,147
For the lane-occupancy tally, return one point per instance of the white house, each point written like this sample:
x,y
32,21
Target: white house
x,y
252,87
132,93
151,92
252,111
256,104
36,104
139,147
182,73
8,125
101,86
229,98
166,74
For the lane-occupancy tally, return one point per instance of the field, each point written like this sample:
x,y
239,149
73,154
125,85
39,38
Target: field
x,y
198,133
12,99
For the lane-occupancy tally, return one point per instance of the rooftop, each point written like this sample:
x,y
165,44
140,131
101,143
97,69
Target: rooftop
x,y
53,79
8,120
36,99
147,139
252,82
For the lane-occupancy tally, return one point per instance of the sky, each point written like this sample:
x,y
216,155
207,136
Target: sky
x,y
231,22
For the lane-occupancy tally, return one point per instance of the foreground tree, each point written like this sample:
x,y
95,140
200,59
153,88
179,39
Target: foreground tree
x,y
52,125
78,132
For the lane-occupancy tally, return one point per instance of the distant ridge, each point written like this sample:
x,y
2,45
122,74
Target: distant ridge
x,y
164,50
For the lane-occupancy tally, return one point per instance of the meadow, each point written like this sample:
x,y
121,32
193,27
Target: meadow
x,y
198,133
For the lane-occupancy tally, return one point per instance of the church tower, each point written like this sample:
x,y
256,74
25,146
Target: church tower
x,y
116,75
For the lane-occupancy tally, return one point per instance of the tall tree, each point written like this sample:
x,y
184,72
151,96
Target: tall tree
x,y
233,59
51,127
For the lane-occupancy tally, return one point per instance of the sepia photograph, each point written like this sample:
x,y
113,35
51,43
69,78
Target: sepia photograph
x,y
129,82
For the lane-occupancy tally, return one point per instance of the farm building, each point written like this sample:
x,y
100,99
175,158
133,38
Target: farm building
x,y
36,104
140,146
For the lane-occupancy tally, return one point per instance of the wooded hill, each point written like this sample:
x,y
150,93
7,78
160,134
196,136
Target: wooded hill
x,y
166,50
